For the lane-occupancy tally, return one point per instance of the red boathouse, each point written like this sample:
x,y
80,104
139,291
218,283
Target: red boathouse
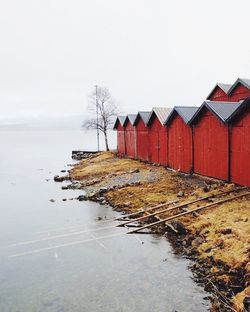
x,y
240,90
211,139
130,136
142,135
240,145
219,92
223,92
119,127
180,142
158,135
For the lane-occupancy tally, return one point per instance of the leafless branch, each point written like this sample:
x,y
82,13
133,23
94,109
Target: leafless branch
x,y
107,111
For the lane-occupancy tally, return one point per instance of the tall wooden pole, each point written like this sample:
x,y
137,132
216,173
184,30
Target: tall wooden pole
x,y
97,119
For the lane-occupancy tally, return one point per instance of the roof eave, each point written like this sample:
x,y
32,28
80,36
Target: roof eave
x,y
244,103
115,124
192,120
139,116
207,98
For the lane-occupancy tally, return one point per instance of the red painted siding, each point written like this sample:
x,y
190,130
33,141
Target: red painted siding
x,y
180,145
130,140
211,146
240,92
121,147
240,150
163,159
142,140
218,95
157,142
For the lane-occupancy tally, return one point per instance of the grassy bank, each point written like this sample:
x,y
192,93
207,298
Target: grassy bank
x,y
218,238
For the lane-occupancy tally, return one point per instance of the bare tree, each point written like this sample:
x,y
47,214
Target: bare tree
x,y
102,111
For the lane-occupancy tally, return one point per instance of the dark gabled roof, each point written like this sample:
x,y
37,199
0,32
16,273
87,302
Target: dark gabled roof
x,y
223,86
186,113
144,116
131,118
238,113
223,110
243,81
120,119
161,113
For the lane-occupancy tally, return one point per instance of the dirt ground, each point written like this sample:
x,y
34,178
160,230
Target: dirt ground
x,y
217,238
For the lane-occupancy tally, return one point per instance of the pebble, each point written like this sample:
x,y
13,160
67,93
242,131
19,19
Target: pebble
x,y
81,197
180,194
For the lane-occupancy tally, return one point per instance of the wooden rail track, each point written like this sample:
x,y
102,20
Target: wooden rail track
x,y
157,213
182,205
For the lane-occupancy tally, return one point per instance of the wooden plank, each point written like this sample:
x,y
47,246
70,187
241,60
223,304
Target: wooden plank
x,y
178,206
188,212
146,209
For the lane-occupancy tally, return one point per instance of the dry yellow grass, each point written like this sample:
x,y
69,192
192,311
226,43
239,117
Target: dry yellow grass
x,y
238,299
143,195
103,164
231,248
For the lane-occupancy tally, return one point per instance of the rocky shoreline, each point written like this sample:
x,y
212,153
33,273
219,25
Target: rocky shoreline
x,y
128,185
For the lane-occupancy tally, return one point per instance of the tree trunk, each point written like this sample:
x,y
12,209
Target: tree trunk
x,y
106,140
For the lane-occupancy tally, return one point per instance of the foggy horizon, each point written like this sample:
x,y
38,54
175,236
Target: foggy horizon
x,y
146,53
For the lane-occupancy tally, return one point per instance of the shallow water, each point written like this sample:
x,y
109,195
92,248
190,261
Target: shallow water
x,y
50,258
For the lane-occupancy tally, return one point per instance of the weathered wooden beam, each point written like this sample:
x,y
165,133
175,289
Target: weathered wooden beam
x,y
146,209
177,207
189,212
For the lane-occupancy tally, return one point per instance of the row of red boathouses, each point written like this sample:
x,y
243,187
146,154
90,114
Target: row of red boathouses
x,y
211,140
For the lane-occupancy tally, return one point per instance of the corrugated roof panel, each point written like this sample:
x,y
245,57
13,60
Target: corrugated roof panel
x,y
223,110
144,116
122,119
244,104
224,86
132,118
162,113
186,112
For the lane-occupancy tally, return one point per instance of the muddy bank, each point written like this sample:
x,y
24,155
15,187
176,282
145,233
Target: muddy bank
x,y
216,239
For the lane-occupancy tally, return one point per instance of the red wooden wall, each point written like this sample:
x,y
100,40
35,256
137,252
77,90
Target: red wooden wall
x,y
240,92
240,150
142,140
218,95
121,146
211,146
180,145
130,140
157,142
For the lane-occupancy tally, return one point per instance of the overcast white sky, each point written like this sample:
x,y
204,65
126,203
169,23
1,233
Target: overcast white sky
x,y
147,52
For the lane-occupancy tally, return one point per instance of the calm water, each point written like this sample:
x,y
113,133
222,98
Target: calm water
x,y
50,260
